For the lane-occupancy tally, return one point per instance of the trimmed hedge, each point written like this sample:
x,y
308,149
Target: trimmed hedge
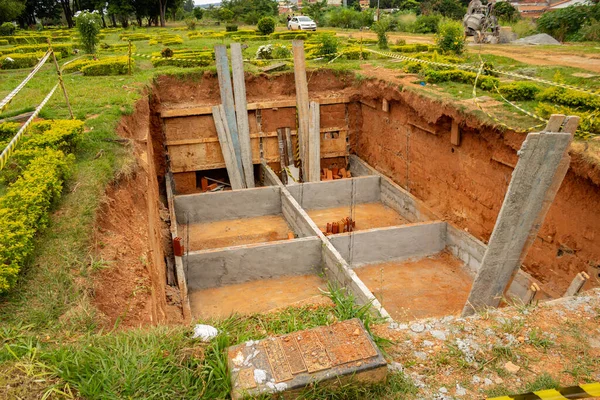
x,y
134,37
117,47
292,35
76,65
3,42
353,53
196,61
107,66
589,123
16,61
25,206
519,91
570,98
412,48
64,49
456,75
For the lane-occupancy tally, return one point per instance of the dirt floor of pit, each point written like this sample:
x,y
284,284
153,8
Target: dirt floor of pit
x,y
262,296
428,287
235,232
366,215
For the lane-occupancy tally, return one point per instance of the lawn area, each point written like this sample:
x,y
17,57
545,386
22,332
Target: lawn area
x,y
53,344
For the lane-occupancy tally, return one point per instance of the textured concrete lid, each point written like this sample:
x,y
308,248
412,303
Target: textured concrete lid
x,y
290,362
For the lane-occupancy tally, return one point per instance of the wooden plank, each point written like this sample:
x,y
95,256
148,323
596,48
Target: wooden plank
x,y
235,178
302,106
227,104
385,106
314,142
241,112
283,103
455,133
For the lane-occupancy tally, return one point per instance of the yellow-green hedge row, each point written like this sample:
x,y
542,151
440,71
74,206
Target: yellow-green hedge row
x,y
26,60
63,48
25,206
107,66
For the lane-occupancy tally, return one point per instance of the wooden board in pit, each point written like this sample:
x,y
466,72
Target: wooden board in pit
x,y
289,362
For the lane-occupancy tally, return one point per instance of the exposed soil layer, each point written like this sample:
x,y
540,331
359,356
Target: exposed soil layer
x,y
366,215
428,287
466,184
257,296
235,232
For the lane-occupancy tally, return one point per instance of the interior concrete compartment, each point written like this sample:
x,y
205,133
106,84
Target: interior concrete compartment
x,y
360,198
232,274
231,218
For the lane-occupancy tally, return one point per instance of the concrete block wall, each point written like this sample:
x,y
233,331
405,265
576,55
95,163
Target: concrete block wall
x,y
234,204
239,264
465,247
337,193
393,243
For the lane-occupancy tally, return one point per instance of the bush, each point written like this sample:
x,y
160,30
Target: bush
x,y
266,25
107,66
354,53
281,52
198,13
591,31
231,28
191,23
406,22
563,22
3,42
7,29
198,61
506,11
451,37
570,98
328,47
519,91
265,52
88,26
412,48
17,60
456,75
8,130
63,49
448,8
285,35
166,52
76,65
382,27
589,123
134,37
427,23
172,41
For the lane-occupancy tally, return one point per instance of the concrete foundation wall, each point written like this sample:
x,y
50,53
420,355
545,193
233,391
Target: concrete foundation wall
x,y
296,217
393,195
270,178
387,244
337,193
465,247
228,266
207,207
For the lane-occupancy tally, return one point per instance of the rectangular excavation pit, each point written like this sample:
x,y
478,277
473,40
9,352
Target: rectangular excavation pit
x,y
232,218
360,198
418,270
254,278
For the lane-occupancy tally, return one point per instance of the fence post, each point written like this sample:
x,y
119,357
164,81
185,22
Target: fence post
x,y
60,79
129,59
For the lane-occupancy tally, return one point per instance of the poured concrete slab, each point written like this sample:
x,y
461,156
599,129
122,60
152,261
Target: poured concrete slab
x,y
431,286
257,296
366,215
235,232
288,363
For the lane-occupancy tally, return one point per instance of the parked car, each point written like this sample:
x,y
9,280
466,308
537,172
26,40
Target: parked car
x,y
302,23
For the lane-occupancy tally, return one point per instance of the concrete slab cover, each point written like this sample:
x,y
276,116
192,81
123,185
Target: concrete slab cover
x,y
290,362
206,207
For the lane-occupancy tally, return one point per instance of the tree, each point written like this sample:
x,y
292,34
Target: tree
x,y
198,13
10,10
506,11
225,14
68,12
188,5
316,10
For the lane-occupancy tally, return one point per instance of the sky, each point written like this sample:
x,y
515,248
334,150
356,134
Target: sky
x,y
201,2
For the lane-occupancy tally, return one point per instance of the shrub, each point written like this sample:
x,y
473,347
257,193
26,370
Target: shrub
x,y
198,61
506,11
354,53
406,22
191,23
265,52
134,37
328,46
382,27
7,29
107,66
171,41
3,42
570,98
63,49
88,26
412,48
8,130
427,23
450,37
456,75
563,22
76,65
27,60
589,123
198,13
166,52
591,31
266,25
231,28
281,52
519,91
447,8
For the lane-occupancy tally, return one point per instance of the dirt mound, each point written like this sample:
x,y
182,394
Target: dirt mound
x,y
540,38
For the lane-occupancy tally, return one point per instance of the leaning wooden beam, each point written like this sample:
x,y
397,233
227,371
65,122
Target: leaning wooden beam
x,y
543,163
227,101
314,142
302,106
241,112
577,284
235,176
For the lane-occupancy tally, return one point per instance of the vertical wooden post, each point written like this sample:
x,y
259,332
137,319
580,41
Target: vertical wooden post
x,y
241,112
60,79
543,163
314,142
577,284
302,107
455,133
227,101
129,58
235,176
